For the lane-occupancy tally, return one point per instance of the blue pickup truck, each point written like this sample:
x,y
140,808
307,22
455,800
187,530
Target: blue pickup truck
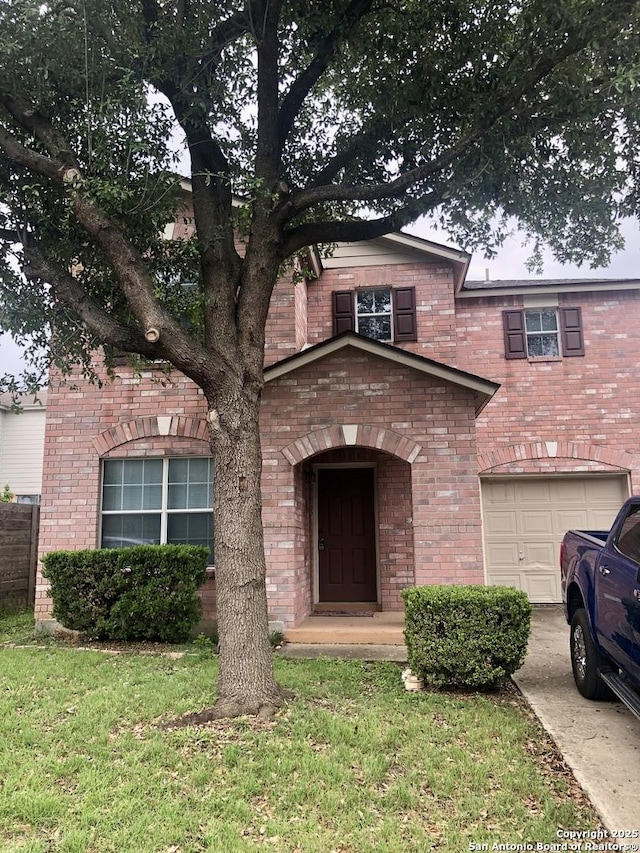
x,y
600,573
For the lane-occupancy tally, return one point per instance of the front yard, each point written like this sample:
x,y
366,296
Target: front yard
x,y
353,764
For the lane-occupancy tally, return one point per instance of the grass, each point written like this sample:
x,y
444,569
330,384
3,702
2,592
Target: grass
x,y
354,764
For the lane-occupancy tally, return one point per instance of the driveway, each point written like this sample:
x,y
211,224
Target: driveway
x,y
599,740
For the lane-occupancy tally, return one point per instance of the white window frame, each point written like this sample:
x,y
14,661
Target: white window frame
x,y
363,314
164,512
537,334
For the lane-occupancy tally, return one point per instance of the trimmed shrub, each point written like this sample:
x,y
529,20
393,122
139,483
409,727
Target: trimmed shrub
x,y
148,592
466,636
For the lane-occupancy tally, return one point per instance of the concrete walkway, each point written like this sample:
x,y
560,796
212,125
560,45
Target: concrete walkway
x,y
600,741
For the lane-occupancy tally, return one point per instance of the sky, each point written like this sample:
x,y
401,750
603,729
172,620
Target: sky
x,y
509,264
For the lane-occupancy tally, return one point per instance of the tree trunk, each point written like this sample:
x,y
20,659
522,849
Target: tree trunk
x,y
246,682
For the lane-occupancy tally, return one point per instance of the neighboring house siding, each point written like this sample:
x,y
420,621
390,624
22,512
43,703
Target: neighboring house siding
x,y
21,448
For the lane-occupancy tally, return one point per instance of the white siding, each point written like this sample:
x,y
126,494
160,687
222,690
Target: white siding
x,y
22,449
369,254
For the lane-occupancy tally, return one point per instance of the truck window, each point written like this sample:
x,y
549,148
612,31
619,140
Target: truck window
x,y
629,537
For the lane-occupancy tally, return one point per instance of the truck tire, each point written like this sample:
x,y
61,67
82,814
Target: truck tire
x,y
586,660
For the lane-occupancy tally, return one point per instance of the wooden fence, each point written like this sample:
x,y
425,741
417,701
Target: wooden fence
x,y
18,554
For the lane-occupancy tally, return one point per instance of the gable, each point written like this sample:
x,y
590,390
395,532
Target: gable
x,y
483,389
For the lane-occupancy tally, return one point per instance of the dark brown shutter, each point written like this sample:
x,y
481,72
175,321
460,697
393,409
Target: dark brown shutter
x,y
515,339
571,327
405,326
343,311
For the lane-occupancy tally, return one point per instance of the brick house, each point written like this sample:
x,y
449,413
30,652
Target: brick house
x,y
416,428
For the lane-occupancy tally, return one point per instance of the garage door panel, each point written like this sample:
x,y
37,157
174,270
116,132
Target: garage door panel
x,y
514,579
524,521
536,522
607,490
501,523
539,554
603,519
570,491
533,492
542,586
570,519
502,554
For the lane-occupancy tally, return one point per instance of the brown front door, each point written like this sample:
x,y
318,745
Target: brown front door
x,y
346,535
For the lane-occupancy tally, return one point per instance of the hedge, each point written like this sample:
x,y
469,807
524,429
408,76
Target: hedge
x,y
148,592
466,636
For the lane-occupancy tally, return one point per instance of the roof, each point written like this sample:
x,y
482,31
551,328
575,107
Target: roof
x,y
483,389
25,401
545,285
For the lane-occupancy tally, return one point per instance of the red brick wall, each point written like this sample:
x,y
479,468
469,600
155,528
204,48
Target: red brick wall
x,y
360,389
434,298
77,414
589,405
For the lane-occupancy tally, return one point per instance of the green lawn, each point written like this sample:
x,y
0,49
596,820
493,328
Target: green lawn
x,y
353,764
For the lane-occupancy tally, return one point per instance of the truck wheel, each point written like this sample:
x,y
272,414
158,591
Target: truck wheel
x,y
586,659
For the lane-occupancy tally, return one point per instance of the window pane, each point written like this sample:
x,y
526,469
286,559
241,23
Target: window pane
x,y
538,345
132,497
549,321
190,484
378,328
112,498
374,301
123,531
533,321
191,529
178,470
113,471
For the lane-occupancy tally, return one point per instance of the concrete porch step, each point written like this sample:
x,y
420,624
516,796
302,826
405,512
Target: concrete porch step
x,y
382,629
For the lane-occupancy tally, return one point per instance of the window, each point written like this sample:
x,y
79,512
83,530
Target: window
x,y
540,332
629,536
34,500
373,314
157,501
380,313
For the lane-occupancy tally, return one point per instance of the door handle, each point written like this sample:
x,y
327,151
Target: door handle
x,y
320,544
605,570
636,594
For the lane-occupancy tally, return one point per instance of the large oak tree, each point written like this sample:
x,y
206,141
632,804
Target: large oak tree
x,y
333,120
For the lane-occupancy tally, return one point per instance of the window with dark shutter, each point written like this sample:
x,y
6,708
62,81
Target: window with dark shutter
x,y
571,326
343,311
405,327
515,344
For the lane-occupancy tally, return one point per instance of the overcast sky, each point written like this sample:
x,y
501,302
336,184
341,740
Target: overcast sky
x,y
510,263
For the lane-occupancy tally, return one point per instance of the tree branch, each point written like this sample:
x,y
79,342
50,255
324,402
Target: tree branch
x,y
328,231
23,156
267,150
36,123
306,80
70,293
503,104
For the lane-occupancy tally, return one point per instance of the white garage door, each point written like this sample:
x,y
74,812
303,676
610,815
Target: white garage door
x,y
524,521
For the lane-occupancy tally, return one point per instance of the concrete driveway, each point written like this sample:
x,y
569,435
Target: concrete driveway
x,y
599,740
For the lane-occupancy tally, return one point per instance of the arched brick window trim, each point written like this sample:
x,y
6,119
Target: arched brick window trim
x,y
606,456
354,435
162,425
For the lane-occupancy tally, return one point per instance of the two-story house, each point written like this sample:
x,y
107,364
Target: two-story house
x,y
416,428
